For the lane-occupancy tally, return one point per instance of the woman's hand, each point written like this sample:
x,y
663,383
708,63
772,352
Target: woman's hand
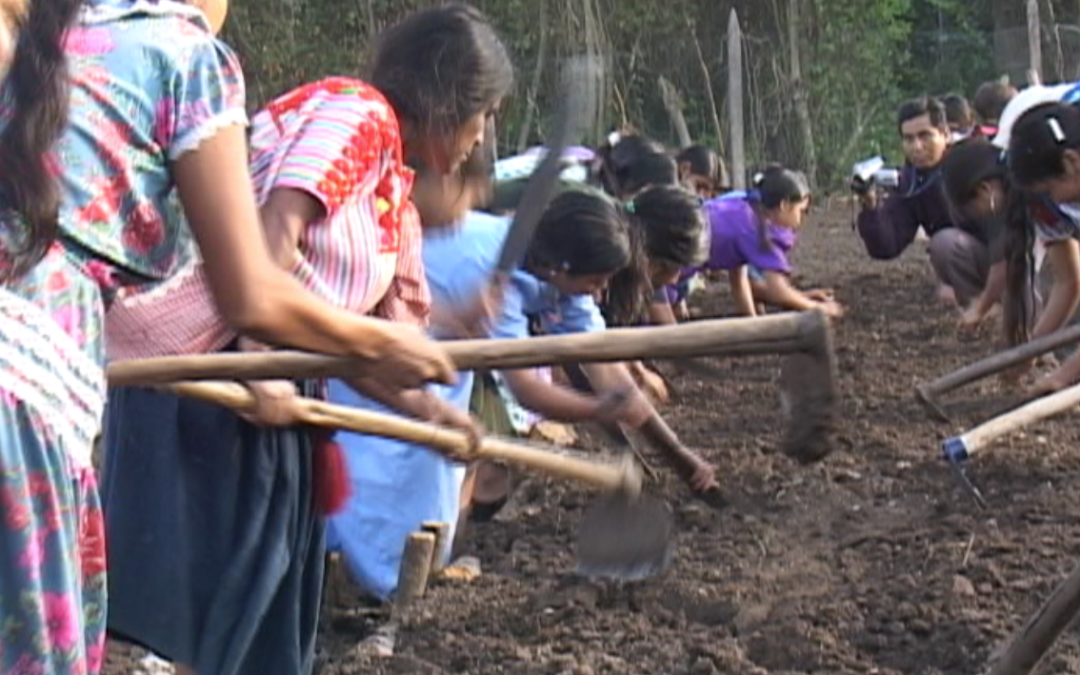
x,y
1050,384
408,359
275,403
821,295
832,309
703,477
445,414
971,320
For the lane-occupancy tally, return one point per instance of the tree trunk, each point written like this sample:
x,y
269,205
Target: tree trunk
x,y
710,95
673,104
537,79
1009,17
802,103
735,103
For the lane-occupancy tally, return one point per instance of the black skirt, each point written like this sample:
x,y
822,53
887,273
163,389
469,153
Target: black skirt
x,y
216,550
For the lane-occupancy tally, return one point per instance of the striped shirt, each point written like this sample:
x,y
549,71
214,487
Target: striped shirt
x,y
337,140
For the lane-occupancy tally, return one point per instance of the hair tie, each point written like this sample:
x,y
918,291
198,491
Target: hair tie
x,y
1056,130
631,207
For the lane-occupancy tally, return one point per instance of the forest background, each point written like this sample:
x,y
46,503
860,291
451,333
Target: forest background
x,y
821,78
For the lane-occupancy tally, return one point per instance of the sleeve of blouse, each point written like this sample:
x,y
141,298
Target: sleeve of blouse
x,y
579,314
408,299
1051,223
339,151
204,94
511,322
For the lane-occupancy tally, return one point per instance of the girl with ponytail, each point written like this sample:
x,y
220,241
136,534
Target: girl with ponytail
x,y
751,237
1043,161
583,242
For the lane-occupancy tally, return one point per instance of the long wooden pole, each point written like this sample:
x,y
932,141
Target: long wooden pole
x,y
1034,25
1042,629
735,103
1002,361
990,431
623,477
780,333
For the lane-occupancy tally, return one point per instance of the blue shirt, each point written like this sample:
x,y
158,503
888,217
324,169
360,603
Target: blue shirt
x,y
397,486
459,263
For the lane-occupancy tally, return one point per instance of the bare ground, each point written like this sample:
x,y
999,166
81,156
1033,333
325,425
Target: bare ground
x,y
871,562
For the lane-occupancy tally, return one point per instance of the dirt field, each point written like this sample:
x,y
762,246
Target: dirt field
x,y
872,562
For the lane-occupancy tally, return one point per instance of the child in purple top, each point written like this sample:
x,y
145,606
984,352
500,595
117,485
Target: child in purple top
x,y
751,239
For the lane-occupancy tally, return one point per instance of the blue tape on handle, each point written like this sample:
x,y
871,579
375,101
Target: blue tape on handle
x,y
955,450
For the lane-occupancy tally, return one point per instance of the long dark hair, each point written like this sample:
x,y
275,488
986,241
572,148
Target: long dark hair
x,y
704,162
666,225
630,163
1019,263
441,66
775,185
967,165
585,232
1036,153
37,84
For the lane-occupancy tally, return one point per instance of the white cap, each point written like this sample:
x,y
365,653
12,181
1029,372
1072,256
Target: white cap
x,y
1034,95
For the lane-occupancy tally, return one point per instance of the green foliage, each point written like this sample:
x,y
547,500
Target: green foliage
x,y
859,60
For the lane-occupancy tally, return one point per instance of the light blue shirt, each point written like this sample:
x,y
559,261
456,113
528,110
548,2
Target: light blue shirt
x,y
397,486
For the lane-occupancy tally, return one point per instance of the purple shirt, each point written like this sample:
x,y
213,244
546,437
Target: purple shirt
x,y
737,241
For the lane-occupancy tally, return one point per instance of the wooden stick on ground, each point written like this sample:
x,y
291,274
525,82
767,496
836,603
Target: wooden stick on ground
x,y
442,541
988,432
1043,628
996,363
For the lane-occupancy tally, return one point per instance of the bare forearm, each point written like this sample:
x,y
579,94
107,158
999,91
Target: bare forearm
x,y
741,292
783,294
1058,311
550,400
661,314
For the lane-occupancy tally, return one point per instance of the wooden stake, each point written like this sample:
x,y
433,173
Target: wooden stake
x,y
415,569
442,538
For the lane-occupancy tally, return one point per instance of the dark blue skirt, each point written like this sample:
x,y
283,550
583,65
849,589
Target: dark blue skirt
x,y
214,543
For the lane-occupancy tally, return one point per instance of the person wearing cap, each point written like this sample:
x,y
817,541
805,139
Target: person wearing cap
x,y
958,250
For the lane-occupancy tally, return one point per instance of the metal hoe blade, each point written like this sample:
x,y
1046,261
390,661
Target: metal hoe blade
x,y
956,455
579,80
626,538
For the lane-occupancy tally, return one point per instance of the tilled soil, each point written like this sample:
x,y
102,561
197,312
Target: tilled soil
x,y
870,562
